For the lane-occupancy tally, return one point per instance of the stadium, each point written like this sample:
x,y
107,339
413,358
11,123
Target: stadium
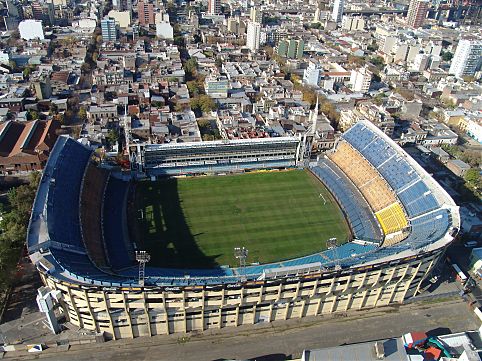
x,y
360,227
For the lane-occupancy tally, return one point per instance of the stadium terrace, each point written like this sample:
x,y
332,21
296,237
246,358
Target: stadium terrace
x,y
400,220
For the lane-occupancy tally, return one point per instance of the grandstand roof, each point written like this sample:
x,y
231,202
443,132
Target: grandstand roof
x,y
225,142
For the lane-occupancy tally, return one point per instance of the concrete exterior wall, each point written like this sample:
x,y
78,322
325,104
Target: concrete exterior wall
x,y
134,312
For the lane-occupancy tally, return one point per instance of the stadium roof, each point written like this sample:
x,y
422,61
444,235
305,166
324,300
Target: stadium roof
x,y
234,142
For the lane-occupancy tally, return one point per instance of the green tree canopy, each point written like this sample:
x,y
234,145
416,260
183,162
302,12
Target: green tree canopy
x,y
190,66
112,136
32,115
378,62
472,176
447,56
13,227
82,114
203,103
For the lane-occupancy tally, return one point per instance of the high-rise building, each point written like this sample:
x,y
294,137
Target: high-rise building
x,y
417,12
320,14
145,11
253,38
232,25
467,58
122,5
164,29
290,48
312,74
214,7
256,15
337,13
14,9
353,23
109,29
360,80
37,12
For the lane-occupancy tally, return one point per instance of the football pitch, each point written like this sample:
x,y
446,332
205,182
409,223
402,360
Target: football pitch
x,y
196,222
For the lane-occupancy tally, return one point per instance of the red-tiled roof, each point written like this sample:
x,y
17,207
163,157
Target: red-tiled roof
x,y
26,139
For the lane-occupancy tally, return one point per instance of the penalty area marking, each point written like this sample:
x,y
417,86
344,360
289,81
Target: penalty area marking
x,y
324,200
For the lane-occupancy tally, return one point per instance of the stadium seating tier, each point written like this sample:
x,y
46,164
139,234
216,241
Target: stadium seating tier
x,y
69,167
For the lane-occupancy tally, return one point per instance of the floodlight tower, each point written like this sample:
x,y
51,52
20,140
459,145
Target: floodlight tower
x,y
142,257
241,253
331,244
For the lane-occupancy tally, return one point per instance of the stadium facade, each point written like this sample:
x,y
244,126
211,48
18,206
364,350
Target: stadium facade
x,y
401,222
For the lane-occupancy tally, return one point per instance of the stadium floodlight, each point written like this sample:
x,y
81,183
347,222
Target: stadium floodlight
x,y
241,253
142,257
331,244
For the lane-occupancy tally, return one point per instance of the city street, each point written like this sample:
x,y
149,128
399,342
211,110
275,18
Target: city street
x,y
281,339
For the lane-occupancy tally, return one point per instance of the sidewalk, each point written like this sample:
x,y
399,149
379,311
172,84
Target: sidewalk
x,y
290,336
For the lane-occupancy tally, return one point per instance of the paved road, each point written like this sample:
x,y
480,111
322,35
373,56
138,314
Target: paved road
x,y
279,340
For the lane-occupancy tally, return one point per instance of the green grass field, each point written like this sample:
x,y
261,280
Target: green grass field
x,y
197,222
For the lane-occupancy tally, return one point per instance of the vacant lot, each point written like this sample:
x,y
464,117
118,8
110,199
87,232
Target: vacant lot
x,y
197,222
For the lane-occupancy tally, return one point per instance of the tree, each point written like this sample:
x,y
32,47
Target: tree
x,y
32,114
82,114
14,225
26,72
73,103
203,123
194,88
179,40
53,109
309,94
190,66
356,60
156,104
207,137
181,107
472,176
203,103
14,36
269,51
378,62
60,118
447,56
378,99
13,65
112,136
86,68
218,62
207,103
330,111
